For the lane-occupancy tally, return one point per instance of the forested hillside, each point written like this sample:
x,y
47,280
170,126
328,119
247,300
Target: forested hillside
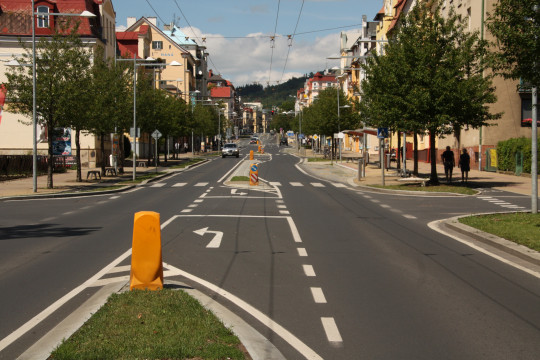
x,y
273,95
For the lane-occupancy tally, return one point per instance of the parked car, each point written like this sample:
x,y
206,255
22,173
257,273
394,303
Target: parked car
x,y
230,149
253,140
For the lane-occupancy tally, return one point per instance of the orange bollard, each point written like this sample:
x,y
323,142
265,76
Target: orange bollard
x,y
251,155
254,174
259,148
146,261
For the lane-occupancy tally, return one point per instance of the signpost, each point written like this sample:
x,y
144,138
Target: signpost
x,y
382,133
156,135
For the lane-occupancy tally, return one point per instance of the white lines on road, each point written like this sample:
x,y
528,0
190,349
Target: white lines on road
x,y
501,203
156,185
186,210
318,185
385,206
318,295
330,327
409,216
339,185
296,184
302,252
198,201
193,205
179,184
282,206
274,183
308,270
114,197
200,184
375,201
68,213
284,212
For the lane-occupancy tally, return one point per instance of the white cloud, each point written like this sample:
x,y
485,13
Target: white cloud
x,y
247,60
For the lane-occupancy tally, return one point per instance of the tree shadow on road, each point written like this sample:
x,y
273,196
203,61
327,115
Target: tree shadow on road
x,y
42,231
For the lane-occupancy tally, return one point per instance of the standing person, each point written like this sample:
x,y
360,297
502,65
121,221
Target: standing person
x,y
449,162
465,165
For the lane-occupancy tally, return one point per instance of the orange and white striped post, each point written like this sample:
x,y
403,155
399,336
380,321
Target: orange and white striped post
x,y
254,174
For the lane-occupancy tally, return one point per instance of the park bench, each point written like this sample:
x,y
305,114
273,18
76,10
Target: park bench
x,y
93,173
110,171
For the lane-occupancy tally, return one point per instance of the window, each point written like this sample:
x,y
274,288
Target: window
x,y
42,20
157,45
526,110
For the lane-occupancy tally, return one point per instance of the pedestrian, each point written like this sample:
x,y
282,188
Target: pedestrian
x,y
465,165
449,162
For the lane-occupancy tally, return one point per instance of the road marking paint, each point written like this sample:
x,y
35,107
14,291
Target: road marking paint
x,y
339,185
318,295
302,252
294,230
308,270
201,184
48,219
284,212
68,213
279,201
318,185
282,206
198,201
385,206
409,216
114,197
296,184
193,206
186,211
367,196
274,183
158,185
375,201
179,184
331,329
203,195
120,269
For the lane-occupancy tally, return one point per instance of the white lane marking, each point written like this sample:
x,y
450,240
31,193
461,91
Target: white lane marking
x,y
120,269
230,171
279,201
367,196
193,206
158,185
485,197
282,206
318,295
198,201
317,185
436,225
296,184
68,213
201,184
385,206
274,183
284,212
302,252
179,184
292,340
331,329
308,270
114,197
186,211
48,219
30,324
203,195
409,216
375,201
294,230
339,185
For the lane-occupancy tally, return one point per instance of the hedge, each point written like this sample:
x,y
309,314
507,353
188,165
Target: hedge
x,y
506,154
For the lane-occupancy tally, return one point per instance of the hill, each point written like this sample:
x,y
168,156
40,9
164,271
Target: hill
x,y
273,95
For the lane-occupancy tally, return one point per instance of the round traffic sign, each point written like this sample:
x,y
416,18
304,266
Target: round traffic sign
x,y
254,167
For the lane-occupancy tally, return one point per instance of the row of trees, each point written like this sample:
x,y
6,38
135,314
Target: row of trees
x,y
80,89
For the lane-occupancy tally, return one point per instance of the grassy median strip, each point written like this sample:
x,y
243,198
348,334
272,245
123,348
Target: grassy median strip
x,y
240,178
166,324
521,228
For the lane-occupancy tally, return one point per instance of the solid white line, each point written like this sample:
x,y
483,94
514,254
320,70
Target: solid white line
x,y
318,295
294,230
435,225
331,329
296,343
8,340
302,252
228,172
308,270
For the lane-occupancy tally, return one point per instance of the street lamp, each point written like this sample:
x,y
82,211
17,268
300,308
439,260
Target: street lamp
x,y
86,14
135,65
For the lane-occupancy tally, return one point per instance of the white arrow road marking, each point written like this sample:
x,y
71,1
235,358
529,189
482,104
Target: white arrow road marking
x,y
233,192
216,241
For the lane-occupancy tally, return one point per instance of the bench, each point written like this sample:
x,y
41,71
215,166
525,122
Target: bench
x,y
142,164
95,173
110,171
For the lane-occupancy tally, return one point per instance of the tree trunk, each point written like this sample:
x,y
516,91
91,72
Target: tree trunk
x,y
102,151
398,157
50,163
122,154
433,178
415,151
78,157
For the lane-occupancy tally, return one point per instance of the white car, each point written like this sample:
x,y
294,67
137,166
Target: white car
x,y
230,149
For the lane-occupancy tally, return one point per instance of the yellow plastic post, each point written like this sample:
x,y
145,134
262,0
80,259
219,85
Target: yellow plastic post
x,y
146,261
259,148
254,174
251,155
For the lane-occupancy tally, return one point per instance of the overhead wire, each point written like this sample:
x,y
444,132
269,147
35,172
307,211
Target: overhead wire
x,y
272,39
291,37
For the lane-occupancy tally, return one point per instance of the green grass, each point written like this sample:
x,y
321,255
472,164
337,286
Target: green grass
x,y
165,324
521,228
438,188
240,178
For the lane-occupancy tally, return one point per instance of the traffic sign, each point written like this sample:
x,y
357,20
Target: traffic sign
x,y
315,137
156,134
382,133
133,134
254,167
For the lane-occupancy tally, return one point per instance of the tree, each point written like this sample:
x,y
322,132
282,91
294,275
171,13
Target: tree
x,y
430,79
60,66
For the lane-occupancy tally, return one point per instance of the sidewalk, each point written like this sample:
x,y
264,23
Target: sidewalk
x,y
66,182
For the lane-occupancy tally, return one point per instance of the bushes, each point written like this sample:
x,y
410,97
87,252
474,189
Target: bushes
x,y
506,154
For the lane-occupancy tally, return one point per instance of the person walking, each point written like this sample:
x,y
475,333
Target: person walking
x,y
449,162
465,165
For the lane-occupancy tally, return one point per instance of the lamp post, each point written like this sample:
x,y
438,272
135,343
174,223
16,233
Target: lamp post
x,y
85,13
135,65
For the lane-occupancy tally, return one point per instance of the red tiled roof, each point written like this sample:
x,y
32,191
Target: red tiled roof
x,y
399,9
127,35
220,92
143,29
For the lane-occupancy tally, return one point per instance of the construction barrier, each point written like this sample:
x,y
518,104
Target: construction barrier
x,y
254,174
146,260
251,155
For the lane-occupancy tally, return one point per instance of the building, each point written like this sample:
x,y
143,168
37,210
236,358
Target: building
x,y
16,25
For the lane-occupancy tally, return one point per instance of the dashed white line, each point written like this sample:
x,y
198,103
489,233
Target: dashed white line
x,y
179,184
296,184
331,329
318,295
282,206
409,216
302,252
187,210
193,205
158,185
284,212
198,201
339,185
274,183
308,270
317,185
385,206
114,197
201,184
375,201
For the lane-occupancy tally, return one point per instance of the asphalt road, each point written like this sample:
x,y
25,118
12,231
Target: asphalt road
x,y
320,268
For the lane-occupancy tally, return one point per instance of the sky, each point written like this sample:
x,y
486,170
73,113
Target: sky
x,y
238,32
